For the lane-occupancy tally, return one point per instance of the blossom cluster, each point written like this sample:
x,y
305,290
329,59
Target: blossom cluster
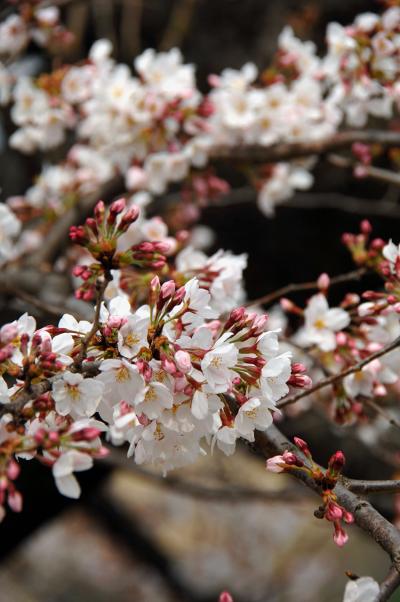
x,y
166,377
331,340
156,129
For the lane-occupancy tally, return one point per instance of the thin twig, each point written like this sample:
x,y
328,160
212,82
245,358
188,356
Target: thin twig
x,y
330,380
371,403
101,287
305,286
375,173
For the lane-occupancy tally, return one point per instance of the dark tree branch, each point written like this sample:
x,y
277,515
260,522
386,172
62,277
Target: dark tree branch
x,y
389,585
305,286
272,442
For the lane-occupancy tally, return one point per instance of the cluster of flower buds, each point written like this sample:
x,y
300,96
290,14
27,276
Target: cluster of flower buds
x,y
100,234
8,492
325,480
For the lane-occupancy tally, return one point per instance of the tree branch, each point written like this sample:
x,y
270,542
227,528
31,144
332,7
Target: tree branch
x,y
389,584
363,486
330,380
293,150
272,442
305,286
375,173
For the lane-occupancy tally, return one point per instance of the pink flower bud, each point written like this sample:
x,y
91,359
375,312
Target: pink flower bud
x,y
333,512
348,517
8,333
225,597
323,282
99,211
183,362
167,289
54,437
168,365
179,295
275,464
287,305
337,462
365,226
118,206
86,434
13,470
15,501
340,537
302,445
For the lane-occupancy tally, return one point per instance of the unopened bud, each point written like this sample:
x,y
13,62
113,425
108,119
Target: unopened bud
x,y
337,462
323,282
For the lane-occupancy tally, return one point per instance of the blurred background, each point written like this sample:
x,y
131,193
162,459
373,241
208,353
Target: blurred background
x,y
223,523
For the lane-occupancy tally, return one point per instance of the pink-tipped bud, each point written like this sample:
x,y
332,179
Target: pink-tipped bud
x,y
337,462
323,282
340,537
183,362
302,445
118,206
167,289
179,295
333,512
168,365
287,305
54,437
15,501
225,597
298,368
348,517
275,464
365,227
86,434
13,470
129,217
99,211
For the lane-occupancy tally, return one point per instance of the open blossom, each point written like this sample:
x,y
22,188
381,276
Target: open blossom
x,y
157,397
133,334
274,377
391,252
122,382
363,589
69,462
322,322
253,414
359,383
10,227
217,363
76,395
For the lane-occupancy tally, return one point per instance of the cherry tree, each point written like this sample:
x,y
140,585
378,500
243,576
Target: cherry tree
x,y
155,346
